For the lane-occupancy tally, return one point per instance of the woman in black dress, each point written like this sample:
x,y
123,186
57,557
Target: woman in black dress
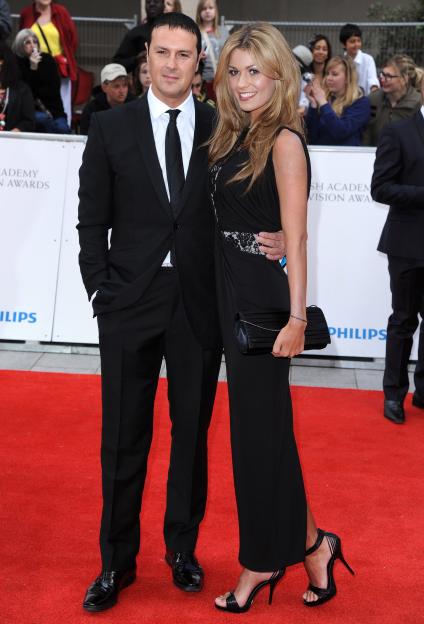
x,y
260,176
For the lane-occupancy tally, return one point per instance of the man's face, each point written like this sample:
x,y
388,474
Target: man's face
x,y
196,85
116,90
154,8
353,45
173,60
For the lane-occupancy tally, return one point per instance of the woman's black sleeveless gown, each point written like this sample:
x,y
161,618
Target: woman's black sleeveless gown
x,y
267,474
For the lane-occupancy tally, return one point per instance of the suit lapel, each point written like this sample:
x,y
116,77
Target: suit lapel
x,y
146,143
419,122
198,160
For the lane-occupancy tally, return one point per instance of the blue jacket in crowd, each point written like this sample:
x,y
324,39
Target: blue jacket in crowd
x,y
324,127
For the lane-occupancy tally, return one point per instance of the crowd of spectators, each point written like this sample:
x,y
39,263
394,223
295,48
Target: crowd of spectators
x,y
344,100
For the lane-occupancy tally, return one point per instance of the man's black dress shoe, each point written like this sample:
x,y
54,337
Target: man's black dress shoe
x,y
186,571
103,593
393,410
417,401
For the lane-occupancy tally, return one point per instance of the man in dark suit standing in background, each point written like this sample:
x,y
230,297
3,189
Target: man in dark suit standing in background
x,y
144,176
398,180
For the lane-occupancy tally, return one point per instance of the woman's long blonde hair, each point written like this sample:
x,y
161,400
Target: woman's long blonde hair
x,y
352,91
274,58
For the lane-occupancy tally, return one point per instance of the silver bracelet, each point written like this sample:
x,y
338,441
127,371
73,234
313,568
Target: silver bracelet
x,y
299,319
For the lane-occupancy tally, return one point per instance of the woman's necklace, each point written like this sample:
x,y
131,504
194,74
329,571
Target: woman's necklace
x,y
4,100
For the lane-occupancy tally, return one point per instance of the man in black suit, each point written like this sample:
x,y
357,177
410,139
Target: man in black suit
x,y
398,180
144,177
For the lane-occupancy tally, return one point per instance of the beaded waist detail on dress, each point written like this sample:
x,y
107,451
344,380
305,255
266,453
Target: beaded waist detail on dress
x,y
243,241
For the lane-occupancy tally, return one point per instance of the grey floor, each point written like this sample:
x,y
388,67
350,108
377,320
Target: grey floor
x,y
323,372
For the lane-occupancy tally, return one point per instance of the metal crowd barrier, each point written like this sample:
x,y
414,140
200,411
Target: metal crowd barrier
x,y
380,39
98,37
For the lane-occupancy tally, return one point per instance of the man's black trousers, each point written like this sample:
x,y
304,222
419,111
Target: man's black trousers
x,y
133,342
407,286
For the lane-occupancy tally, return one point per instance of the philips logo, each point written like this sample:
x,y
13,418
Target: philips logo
x,y
7,316
355,333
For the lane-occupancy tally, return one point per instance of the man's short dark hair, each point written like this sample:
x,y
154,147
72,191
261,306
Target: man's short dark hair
x,y
177,20
349,30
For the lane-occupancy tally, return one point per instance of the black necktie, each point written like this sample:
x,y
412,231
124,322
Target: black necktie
x,y
174,161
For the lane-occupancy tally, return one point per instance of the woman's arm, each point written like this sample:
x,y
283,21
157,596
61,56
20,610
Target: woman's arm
x,y
70,29
292,182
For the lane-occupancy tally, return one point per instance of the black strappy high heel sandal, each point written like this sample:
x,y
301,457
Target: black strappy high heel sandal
x,y
330,591
234,607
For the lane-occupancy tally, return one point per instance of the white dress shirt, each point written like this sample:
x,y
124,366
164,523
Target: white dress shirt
x,y
367,71
185,125
422,110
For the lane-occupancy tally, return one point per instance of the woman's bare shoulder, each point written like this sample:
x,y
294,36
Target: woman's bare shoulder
x,y
288,142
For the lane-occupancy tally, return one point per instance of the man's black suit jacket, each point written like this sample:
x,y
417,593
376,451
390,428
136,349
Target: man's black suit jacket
x,y
122,190
398,181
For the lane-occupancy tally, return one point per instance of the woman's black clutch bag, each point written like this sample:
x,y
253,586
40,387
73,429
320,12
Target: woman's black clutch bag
x,y
256,331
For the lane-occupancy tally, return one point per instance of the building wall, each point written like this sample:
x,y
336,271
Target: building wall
x,y
284,10
301,10
102,8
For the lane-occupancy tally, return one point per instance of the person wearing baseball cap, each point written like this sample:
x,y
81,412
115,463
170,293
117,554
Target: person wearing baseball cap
x,y
113,91
304,58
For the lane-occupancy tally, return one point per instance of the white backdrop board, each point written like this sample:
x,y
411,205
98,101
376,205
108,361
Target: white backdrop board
x,y
42,296
348,277
73,319
32,183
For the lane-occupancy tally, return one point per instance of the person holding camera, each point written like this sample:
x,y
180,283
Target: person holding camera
x,y
339,112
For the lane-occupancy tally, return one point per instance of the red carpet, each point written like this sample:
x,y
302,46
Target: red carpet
x,y
364,475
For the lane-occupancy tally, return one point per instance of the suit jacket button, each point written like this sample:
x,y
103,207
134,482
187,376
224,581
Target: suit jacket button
x,y
176,226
